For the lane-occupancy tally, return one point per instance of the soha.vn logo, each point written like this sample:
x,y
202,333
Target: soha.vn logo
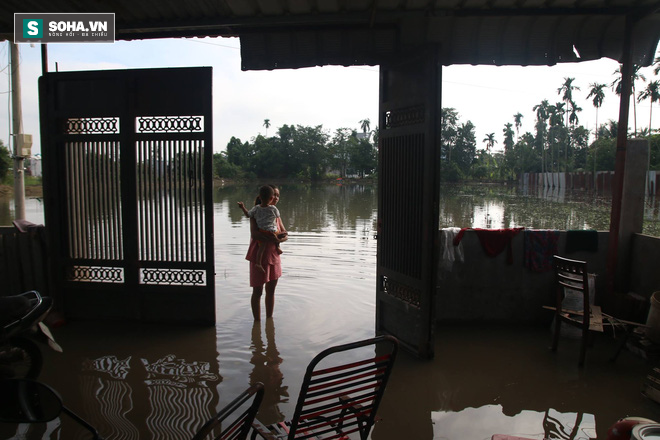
x,y
33,28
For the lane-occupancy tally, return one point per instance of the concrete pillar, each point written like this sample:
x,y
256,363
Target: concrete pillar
x,y
632,206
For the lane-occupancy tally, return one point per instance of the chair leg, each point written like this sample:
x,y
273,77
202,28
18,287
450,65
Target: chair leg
x,y
555,338
583,347
624,339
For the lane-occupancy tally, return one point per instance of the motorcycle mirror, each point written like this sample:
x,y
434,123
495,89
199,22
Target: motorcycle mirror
x,y
27,401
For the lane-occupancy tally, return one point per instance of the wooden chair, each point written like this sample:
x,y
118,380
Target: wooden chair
x,y
239,427
340,393
572,274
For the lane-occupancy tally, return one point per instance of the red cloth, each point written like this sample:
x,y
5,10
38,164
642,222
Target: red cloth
x,y
494,241
271,263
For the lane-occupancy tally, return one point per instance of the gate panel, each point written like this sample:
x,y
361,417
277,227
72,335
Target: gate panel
x,y
128,192
408,180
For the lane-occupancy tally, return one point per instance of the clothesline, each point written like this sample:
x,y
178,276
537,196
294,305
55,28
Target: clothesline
x,y
539,245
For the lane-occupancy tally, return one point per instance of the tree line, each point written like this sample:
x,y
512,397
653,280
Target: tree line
x,y
302,152
558,143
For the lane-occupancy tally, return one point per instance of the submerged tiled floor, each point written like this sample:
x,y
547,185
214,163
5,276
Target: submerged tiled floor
x,y
504,380
139,382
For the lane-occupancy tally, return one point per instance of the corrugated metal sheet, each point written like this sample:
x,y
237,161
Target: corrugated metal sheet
x,y
299,33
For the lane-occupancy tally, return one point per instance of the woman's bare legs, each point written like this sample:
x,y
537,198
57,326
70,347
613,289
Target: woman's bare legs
x,y
270,297
255,301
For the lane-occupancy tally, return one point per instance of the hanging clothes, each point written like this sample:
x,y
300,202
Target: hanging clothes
x,y
493,241
450,252
539,247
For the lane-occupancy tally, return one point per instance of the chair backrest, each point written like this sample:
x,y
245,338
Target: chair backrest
x,y
238,424
572,274
342,389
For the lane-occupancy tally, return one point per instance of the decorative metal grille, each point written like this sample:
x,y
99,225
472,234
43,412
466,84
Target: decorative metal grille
x,y
93,200
92,126
96,274
402,292
168,277
405,116
402,209
170,200
170,124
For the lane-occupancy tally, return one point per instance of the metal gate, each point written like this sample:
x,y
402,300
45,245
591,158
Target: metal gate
x,y
128,193
408,191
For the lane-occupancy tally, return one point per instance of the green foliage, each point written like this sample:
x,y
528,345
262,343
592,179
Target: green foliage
x,y
450,172
5,162
299,152
604,151
654,145
223,168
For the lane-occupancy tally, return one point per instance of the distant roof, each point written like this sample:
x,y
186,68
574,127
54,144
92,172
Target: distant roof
x,y
300,33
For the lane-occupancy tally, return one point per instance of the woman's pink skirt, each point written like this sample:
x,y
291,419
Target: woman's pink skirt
x,y
271,263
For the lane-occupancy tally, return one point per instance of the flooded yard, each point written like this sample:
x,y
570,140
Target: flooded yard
x,y
146,381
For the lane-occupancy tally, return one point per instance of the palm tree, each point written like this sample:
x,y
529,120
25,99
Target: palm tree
x,y
490,141
556,120
573,114
365,124
656,63
598,93
517,120
266,124
542,115
651,92
567,88
508,138
617,84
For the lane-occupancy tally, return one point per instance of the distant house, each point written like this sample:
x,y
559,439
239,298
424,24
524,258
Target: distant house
x,y
33,165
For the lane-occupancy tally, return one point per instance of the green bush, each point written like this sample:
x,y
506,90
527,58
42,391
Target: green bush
x,y
5,163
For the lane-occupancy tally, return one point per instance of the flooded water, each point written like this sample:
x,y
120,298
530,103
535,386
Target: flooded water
x,y
155,382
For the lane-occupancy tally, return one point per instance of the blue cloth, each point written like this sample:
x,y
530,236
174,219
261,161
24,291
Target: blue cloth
x,y
539,247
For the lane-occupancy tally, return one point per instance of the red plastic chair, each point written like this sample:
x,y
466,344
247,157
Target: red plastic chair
x,y
239,427
340,393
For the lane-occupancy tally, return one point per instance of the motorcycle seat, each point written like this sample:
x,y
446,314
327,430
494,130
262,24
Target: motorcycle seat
x,y
13,308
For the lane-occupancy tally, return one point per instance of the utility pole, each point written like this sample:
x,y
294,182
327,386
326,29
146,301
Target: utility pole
x,y
17,135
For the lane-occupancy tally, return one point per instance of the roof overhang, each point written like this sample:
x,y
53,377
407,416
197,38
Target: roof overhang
x,y
300,33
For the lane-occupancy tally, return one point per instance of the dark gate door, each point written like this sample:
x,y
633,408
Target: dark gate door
x,y
408,189
128,192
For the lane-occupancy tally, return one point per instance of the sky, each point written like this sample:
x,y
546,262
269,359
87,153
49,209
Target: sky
x,y
332,96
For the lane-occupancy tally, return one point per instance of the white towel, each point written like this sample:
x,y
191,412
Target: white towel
x,y
450,253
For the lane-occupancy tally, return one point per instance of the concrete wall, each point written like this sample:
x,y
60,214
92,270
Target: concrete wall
x,y
488,289
645,265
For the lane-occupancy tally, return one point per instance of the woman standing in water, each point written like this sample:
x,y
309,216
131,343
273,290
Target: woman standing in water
x,y
272,267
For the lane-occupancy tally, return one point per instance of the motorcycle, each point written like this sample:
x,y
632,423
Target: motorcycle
x,y
21,324
28,401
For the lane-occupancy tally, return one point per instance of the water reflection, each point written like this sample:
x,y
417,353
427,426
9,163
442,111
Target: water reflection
x,y
497,206
266,361
109,397
34,210
309,208
491,419
179,394
352,208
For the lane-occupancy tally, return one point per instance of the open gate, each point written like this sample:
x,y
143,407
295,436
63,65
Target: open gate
x,y
408,191
128,193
